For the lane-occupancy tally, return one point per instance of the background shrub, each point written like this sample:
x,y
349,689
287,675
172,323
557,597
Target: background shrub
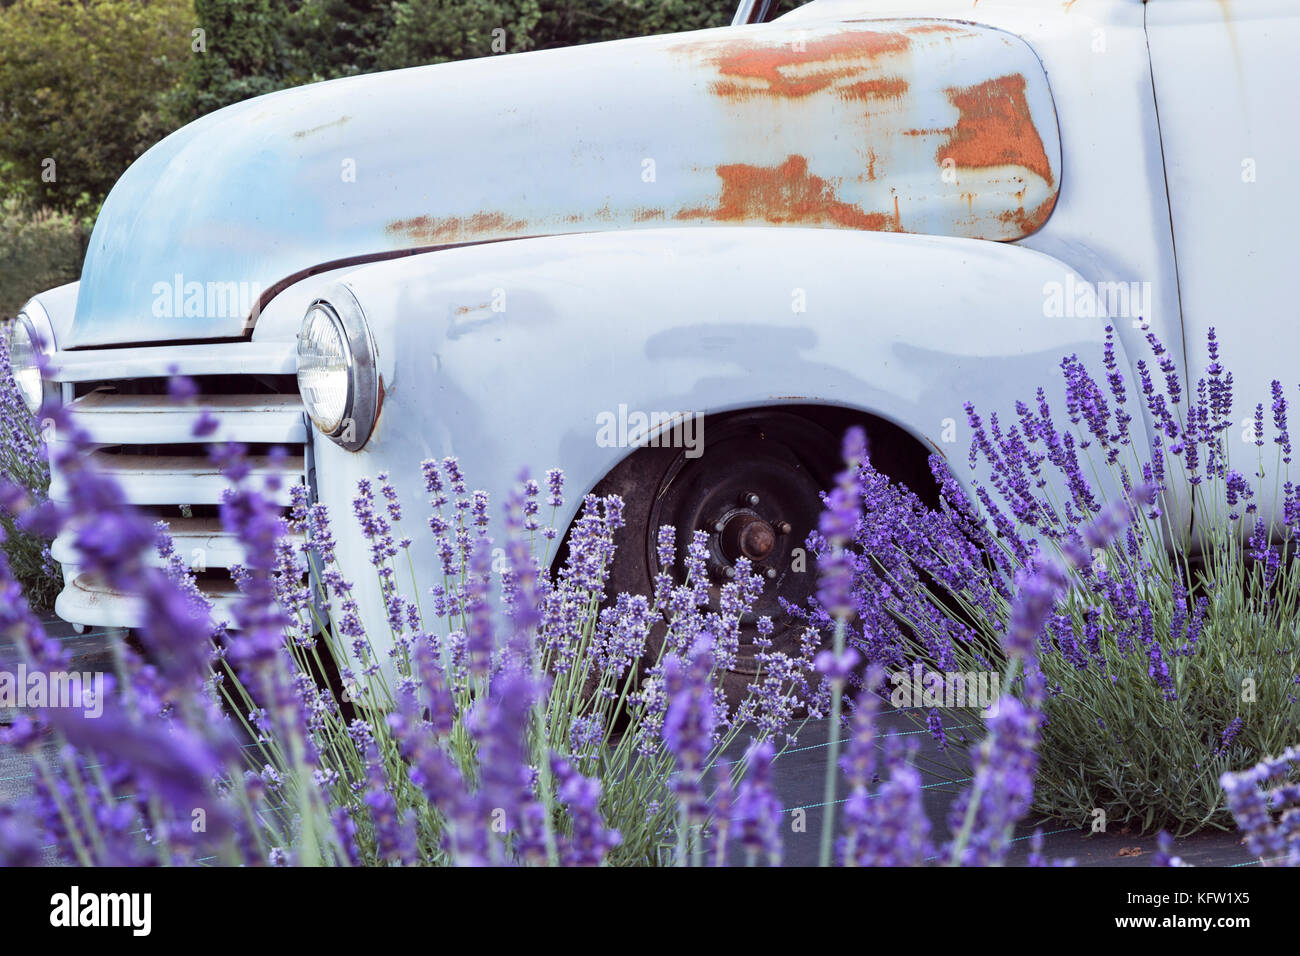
x,y
40,249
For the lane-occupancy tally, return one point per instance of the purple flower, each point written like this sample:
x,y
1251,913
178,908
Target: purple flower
x,y
758,813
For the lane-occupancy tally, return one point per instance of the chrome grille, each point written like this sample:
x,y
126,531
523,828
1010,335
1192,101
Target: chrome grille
x,y
146,440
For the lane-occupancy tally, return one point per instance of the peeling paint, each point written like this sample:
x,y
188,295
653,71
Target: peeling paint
x,y
428,231
994,128
787,193
799,69
891,88
1030,222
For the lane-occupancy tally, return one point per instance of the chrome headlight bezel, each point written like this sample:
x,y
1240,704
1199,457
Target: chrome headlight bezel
x,y
361,407
35,325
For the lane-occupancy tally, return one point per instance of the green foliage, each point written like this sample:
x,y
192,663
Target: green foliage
x,y
257,46
79,87
39,250
242,51
433,31
564,22
340,37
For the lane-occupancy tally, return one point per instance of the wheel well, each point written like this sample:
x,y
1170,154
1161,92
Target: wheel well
x,y
893,451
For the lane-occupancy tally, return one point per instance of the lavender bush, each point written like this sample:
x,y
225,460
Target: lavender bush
x,y
1265,802
23,463
1169,659
517,728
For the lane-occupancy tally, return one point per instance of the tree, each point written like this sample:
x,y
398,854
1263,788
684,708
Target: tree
x,y
80,82
340,37
244,51
433,31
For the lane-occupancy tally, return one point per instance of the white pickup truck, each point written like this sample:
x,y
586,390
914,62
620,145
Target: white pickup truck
x,y
733,241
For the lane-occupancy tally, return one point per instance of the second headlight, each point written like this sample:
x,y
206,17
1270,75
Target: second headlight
x,y
336,369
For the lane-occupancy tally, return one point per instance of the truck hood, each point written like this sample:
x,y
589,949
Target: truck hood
x,y
925,126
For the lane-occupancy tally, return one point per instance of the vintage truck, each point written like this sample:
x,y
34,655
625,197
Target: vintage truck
x,y
737,241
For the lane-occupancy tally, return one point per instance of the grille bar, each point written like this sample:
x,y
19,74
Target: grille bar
x,y
113,419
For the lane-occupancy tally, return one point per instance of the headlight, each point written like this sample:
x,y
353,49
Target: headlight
x,y
336,369
25,350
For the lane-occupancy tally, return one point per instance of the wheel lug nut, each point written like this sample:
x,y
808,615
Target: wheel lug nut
x,y
783,527
750,499
770,573
729,572
719,527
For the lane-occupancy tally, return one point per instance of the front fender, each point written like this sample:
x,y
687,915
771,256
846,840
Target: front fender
x,y
512,354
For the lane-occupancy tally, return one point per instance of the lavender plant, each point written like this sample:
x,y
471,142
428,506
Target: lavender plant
x,y
512,723
1265,802
1170,656
515,727
23,463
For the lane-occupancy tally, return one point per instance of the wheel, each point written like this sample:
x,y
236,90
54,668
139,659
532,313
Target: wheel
x,y
755,491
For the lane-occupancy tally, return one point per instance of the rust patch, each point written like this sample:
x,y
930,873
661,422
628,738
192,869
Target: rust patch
x,y
994,128
937,28
787,193
425,230
790,72
890,88
1029,222
648,215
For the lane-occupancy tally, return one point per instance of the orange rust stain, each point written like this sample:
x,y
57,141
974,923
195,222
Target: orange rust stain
x,y
647,215
1029,222
889,88
787,193
425,230
936,28
898,220
994,128
871,165
800,69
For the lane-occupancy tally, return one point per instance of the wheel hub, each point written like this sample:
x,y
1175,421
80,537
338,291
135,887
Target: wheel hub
x,y
745,534
755,493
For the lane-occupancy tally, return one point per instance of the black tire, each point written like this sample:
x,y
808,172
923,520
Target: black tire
x,y
784,456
